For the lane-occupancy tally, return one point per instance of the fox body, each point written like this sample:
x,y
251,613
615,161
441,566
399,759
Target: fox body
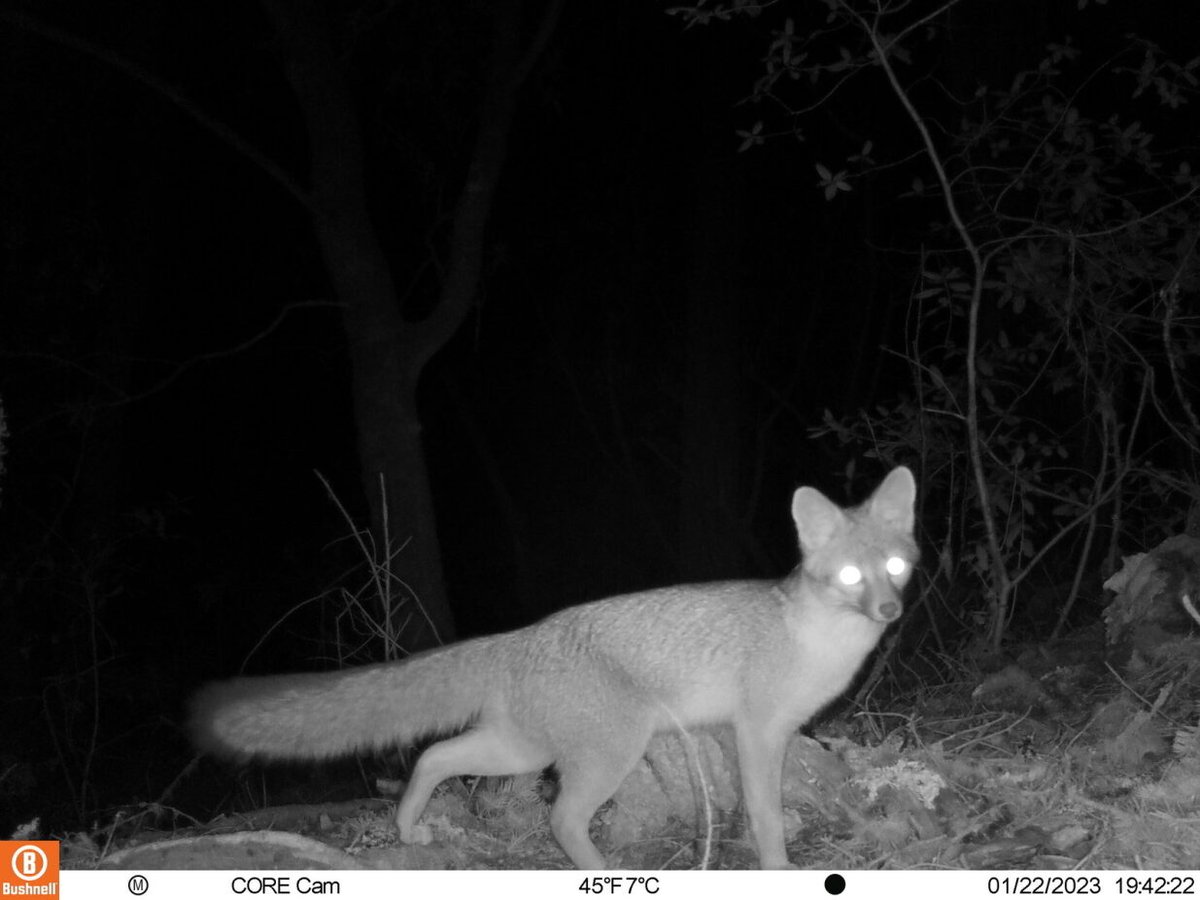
x,y
586,688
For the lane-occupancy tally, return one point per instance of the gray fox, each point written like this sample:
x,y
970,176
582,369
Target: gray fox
x,y
586,688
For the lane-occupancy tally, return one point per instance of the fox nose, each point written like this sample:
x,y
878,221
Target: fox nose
x,y
888,611
881,604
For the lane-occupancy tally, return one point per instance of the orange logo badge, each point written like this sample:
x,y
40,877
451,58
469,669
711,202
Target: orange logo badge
x,y
28,869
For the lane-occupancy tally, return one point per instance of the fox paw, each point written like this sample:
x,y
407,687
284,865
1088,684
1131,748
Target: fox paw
x,y
416,834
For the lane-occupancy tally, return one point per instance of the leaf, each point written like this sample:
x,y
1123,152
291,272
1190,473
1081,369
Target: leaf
x,y
751,138
980,558
832,182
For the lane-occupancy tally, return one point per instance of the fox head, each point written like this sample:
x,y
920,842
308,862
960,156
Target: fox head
x,y
863,556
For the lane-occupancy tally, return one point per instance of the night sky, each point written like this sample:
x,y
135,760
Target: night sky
x,y
173,367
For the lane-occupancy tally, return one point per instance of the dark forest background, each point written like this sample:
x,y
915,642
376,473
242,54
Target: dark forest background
x,y
594,287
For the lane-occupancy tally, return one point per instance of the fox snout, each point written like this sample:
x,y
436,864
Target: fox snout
x,y
881,605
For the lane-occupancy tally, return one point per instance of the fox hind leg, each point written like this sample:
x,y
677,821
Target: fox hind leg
x,y
486,749
587,778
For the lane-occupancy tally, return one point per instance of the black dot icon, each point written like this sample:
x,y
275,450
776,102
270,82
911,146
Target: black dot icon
x,y
834,884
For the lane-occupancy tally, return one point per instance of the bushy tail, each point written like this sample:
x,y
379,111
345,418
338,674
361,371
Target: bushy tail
x,y
313,716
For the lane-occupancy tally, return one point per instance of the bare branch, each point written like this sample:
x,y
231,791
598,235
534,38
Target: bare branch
x,y
157,85
1003,583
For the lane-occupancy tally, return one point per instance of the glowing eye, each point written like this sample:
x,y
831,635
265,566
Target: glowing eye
x,y
849,575
896,566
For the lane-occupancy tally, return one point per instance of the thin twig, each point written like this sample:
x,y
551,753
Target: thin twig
x,y
157,85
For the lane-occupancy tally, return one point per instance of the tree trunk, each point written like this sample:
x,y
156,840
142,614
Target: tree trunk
x,y
388,353
711,542
383,388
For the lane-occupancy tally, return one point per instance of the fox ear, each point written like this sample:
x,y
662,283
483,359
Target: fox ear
x,y
894,498
817,517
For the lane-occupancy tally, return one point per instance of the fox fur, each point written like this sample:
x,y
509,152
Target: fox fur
x,y
586,688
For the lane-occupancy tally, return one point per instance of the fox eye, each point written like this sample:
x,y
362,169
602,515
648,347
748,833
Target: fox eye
x,y
849,575
896,565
